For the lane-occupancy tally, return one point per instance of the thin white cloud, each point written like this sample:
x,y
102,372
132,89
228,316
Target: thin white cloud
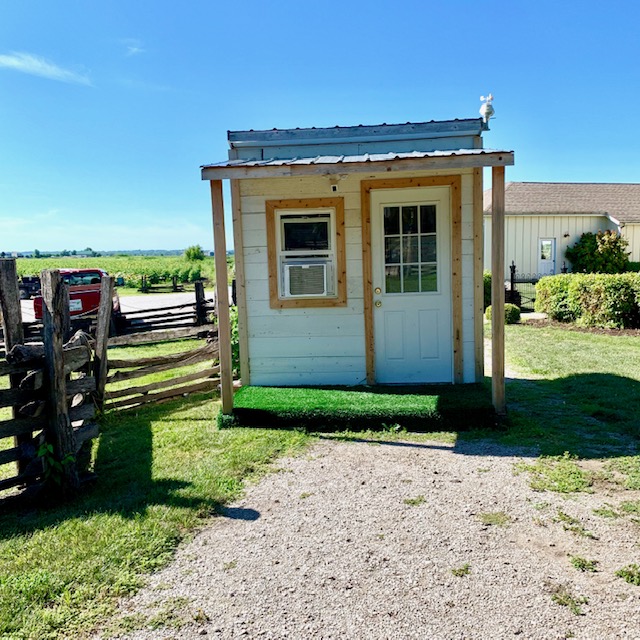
x,y
37,66
133,47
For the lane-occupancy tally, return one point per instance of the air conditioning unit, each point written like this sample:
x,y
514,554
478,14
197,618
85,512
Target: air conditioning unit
x,y
307,278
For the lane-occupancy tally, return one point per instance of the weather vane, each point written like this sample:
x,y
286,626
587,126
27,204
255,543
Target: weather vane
x,y
487,110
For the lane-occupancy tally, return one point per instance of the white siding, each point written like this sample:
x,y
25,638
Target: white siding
x,y
302,346
632,233
325,345
468,336
522,235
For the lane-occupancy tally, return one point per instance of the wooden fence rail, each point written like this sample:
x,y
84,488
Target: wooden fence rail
x,y
204,379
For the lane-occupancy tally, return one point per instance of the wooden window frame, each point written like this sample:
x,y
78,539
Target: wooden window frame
x,y
272,207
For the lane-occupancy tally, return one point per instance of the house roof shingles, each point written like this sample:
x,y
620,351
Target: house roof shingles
x,y
620,201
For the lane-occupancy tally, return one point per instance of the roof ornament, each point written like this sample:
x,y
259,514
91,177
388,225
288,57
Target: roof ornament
x,y
487,110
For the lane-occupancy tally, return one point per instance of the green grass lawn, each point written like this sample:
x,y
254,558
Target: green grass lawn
x,y
583,393
162,471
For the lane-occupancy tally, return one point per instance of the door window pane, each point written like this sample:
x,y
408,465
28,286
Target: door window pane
x,y
427,218
410,219
392,280
391,221
545,250
427,248
411,278
429,277
410,249
392,250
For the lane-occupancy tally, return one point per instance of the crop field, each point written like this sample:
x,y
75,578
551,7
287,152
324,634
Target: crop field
x,y
131,268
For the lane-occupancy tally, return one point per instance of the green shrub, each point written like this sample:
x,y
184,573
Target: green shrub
x,y
235,341
486,280
511,313
194,252
607,300
552,297
634,266
592,300
602,252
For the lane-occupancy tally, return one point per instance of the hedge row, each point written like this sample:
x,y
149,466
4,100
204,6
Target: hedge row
x,y
591,299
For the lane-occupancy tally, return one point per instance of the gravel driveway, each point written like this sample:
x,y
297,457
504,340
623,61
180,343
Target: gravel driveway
x,y
360,540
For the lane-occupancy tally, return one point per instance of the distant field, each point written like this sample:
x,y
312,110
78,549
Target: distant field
x,y
131,268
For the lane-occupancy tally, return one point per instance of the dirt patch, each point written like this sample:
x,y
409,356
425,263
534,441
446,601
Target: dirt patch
x,y
568,326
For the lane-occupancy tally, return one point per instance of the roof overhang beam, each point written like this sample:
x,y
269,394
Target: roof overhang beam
x,y
453,161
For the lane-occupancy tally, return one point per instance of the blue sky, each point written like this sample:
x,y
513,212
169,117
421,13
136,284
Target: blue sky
x,y
107,109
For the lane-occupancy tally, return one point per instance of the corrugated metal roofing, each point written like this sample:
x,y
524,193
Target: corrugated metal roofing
x,y
316,135
621,201
347,159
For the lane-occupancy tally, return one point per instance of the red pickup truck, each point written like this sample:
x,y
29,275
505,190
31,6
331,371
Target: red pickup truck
x,y
84,296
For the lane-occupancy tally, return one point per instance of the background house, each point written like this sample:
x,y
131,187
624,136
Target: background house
x,y
542,219
359,254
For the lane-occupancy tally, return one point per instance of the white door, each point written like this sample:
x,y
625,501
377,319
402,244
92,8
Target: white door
x,y
547,256
411,262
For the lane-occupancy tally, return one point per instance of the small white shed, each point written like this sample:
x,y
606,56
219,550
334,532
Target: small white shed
x,y
542,219
359,255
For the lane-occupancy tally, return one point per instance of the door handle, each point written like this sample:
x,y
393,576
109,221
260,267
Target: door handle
x,y
378,303
377,291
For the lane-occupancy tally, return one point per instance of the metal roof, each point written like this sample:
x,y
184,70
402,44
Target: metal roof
x,y
619,201
359,133
335,164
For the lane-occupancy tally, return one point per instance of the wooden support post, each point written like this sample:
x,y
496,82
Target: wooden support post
x,y
222,297
60,431
201,310
497,290
12,329
103,323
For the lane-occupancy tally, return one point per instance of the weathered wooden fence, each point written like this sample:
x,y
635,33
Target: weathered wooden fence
x,y
164,286
51,387
173,323
121,393
47,388
189,314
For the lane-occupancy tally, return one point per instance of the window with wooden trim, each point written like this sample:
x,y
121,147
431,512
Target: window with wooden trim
x,y
306,253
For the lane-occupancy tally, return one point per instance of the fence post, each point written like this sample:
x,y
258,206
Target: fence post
x,y
174,283
103,323
66,314
512,269
13,331
201,311
60,429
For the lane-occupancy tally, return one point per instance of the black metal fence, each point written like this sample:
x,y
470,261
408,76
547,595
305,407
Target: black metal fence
x,y
521,288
